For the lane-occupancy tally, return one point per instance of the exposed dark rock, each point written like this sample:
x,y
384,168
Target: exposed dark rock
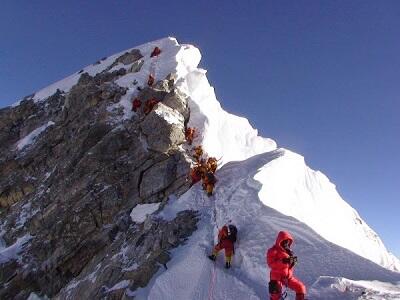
x,y
73,188
164,128
134,258
136,66
129,57
177,101
132,57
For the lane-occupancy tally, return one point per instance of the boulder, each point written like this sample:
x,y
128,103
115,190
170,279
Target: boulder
x,y
134,56
164,128
157,178
177,101
136,66
129,57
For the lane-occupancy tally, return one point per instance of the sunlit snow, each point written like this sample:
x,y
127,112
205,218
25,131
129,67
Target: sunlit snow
x,y
262,189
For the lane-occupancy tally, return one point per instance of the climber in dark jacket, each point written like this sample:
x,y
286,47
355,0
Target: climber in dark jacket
x,y
209,182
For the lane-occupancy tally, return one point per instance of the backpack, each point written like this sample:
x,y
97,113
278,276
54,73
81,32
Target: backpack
x,y
232,235
211,178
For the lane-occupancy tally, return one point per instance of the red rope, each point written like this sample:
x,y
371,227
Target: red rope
x,y
213,277
212,283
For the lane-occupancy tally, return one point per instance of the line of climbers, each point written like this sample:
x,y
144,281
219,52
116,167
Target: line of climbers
x,y
147,107
204,169
149,103
280,259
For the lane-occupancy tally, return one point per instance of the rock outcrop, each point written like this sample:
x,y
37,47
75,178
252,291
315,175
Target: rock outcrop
x,y
66,196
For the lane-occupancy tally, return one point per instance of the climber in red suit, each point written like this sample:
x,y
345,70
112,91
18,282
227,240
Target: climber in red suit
x,y
156,52
150,81
226,238
136,103
280,260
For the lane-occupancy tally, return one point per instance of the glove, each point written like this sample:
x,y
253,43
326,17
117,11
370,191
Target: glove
x,y
291,260
286,260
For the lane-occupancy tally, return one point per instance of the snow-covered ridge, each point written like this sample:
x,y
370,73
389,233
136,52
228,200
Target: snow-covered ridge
x,y
191,275
292,188
288,185
241,140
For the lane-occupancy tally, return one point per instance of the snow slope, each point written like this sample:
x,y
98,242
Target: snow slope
x,y
191,275
289,186
345,289
262,189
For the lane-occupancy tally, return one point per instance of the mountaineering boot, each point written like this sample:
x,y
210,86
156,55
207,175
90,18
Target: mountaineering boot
x,y
227,265
212,257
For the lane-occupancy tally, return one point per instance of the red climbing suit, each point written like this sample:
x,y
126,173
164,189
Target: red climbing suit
x,y
149,104
150,81
136,104
156,52
282,272
224,242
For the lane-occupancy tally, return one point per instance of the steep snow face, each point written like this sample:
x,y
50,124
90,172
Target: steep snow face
x,y
223,135
191,275
292,188
289,186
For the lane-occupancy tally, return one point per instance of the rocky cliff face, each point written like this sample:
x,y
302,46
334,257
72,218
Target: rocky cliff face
x,y
72,167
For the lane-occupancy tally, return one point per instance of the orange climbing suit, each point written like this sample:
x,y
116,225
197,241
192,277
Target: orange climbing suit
x,y
189,135
224,243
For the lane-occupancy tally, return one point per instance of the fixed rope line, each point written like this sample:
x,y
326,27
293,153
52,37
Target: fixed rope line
x,y
213,277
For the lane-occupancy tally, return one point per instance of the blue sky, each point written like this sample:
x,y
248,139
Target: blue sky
x,y
320,77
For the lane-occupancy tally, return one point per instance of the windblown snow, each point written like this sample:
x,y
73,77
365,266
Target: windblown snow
x,y
263,190
141,211
30,138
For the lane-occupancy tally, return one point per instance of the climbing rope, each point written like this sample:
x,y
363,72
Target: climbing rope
x,y
213,277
